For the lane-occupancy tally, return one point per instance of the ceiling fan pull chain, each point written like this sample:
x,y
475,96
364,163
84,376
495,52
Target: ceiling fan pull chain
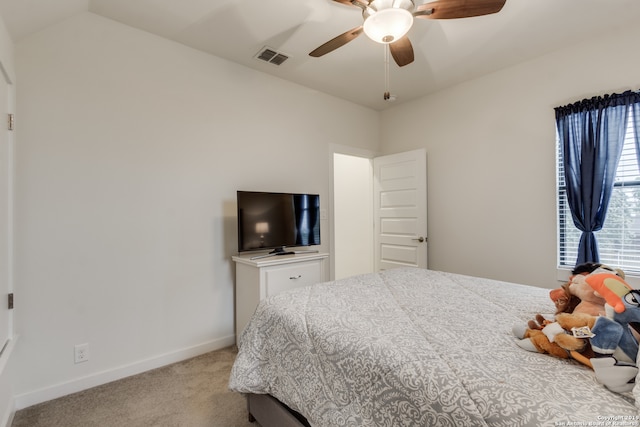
x,y
387,95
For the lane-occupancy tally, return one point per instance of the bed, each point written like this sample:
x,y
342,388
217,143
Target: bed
x,y
412,347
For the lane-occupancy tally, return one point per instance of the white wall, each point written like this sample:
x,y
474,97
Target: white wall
x,y
131,150
7,358
491,151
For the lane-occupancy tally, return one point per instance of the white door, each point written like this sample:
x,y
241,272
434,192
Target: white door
x,y
400,210
5,217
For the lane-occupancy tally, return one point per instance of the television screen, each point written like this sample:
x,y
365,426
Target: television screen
x,y
277,220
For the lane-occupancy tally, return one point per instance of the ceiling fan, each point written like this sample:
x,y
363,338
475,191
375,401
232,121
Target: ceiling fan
x,y
388,21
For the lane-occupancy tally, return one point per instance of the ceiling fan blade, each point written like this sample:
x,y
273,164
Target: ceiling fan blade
x,y
336,42
452,9
402,51
356,3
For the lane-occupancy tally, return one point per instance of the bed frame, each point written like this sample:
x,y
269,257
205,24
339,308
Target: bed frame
x,y
270,412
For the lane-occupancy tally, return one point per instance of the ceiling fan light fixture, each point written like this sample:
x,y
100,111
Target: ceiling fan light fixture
x,y
386,21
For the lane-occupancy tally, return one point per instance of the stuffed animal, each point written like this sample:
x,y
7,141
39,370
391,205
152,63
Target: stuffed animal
x,y
607,335
610,285
564,302
613,339
563,299
535,340
553,341
590,302
576,296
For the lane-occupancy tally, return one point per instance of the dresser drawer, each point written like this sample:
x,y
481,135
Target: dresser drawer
x,y
282,278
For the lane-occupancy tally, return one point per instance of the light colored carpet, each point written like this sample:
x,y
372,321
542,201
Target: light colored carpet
x,y
192,393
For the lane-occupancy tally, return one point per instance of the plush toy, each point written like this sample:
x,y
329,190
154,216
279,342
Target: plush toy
x,y
613,339
576,296
575,343
605,341
564,302
535,340
609,285
590,302
563,299
607,336
550,337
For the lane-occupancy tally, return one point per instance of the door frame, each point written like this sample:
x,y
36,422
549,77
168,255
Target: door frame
x,y
8,204
370,155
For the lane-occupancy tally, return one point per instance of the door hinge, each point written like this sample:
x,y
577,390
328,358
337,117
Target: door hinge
x,y
10,121
10,301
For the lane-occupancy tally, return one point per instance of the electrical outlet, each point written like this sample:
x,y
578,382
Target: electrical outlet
x,y
81,353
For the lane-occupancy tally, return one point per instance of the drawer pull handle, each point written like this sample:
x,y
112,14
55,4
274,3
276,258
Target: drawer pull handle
x,y
295,277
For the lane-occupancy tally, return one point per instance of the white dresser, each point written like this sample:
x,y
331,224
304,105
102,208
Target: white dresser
x,y
259,278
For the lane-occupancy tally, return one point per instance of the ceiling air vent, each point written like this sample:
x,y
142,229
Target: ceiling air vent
x,y
271,56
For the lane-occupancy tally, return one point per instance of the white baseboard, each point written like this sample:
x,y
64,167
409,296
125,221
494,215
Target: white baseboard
x,y
45,394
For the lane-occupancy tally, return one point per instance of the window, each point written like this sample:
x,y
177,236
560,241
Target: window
x,y
619,239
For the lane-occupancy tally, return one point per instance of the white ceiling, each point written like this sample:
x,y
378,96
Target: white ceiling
x,y
446,51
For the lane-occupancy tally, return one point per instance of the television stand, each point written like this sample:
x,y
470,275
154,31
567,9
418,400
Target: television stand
x,y
262,278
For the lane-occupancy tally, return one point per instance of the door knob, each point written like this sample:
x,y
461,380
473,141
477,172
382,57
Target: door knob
x,y
419,239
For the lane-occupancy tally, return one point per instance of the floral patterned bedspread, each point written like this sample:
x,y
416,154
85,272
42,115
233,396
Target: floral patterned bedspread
x,y
413,347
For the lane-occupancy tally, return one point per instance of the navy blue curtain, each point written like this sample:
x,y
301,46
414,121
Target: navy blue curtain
x,y
635,112
592,134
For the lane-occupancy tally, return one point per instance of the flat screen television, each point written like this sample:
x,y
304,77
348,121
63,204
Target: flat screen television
x,y
277,221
